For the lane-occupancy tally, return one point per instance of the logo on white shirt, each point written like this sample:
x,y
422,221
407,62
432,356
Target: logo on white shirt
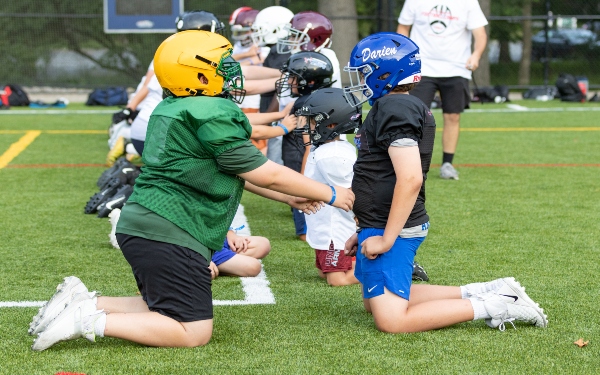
x,y
439,18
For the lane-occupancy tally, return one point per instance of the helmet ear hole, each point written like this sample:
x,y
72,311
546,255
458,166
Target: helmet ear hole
x,y
202,78
384,76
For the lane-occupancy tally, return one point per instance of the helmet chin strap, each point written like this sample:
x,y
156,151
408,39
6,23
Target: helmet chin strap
x,y
388,87
325,44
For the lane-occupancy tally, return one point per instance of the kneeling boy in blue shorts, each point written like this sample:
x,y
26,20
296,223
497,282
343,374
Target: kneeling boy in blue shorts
x,y
394,145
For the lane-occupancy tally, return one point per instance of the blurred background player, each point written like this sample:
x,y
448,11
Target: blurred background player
x,y
247,53
311,31
267,29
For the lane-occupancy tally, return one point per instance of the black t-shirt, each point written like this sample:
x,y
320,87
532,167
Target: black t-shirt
x,y
273,60
392,117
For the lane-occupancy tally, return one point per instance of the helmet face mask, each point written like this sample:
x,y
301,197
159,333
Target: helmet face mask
x,y
380,62
358,77
233,79
307,31
294,41
242,34
240,23
326,114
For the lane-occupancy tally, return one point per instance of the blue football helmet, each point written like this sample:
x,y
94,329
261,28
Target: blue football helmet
x,y
380,62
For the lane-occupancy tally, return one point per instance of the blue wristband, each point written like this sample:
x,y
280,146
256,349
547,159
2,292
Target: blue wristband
x,y
285,131
333,196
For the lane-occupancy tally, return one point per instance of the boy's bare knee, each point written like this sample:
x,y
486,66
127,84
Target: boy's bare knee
x,y
254,269
392,325
193,341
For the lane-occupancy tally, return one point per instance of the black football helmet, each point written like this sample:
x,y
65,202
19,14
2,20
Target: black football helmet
x,y
199,20
306,71
332,114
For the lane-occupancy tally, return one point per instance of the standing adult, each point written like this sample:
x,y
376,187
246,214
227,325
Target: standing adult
x,y
444,30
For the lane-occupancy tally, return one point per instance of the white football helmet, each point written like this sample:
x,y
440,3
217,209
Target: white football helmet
x,y
269,25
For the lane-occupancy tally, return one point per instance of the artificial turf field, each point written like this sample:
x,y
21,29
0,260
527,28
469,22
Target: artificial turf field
x,y
527,205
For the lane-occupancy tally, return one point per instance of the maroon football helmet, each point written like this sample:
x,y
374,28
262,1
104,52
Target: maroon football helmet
x,y
240,22
307,31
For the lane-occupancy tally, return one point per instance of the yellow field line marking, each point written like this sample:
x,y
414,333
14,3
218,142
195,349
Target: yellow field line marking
x,y
18,147
56,131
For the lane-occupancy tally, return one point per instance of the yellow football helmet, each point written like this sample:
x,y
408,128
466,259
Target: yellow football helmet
x,y
198,62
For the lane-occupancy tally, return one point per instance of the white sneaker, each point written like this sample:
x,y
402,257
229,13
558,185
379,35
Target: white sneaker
x,y
448,172
64,294
70,323
511,303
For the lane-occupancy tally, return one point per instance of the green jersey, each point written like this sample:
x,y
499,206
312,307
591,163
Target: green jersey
x,y
195,147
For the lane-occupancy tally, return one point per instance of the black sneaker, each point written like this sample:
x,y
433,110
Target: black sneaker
x,y
127,173
97,199
108,174
116,201
419,273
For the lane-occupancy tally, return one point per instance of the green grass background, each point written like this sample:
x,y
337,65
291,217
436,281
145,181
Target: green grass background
x,y
537,223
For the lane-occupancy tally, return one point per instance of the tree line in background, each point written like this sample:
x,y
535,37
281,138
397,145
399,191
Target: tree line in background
x,y
32,30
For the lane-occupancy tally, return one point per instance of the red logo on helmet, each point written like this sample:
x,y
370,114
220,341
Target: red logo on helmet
x,y
416,78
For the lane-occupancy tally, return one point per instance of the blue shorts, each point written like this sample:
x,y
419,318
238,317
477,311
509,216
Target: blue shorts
x,y
392,270
223,255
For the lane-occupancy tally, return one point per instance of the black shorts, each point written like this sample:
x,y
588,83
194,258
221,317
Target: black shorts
x,y
454,92
173,280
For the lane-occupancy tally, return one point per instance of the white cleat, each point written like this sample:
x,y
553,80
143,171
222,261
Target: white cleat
x,y
510,303
70,324
64,294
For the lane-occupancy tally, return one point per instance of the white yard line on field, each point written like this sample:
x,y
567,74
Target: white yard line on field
x,y
256,289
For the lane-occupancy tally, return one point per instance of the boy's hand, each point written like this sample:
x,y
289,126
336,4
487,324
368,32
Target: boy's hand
x,y
290,122
344,198
305,205
287,110
237,243
373,246
214,270
351,245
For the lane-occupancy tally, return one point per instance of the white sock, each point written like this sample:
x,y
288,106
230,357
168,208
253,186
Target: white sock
x,y
100,325
479,311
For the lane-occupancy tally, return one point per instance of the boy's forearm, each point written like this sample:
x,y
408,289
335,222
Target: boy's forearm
x,y
267,193
409,178
276,177
405,196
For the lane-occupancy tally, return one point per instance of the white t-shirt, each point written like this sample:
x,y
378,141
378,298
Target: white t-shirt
x,y
442,30
250,101
146,106
331,163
